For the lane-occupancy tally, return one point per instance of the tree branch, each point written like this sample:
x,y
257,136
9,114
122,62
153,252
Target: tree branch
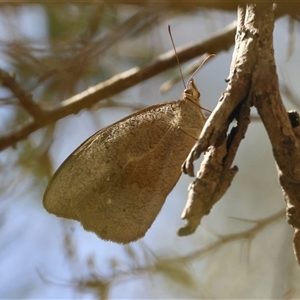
x,y
121,274
215,174
242,65
253,75
284,139
26,101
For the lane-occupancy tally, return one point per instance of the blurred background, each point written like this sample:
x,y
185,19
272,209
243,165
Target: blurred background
x,y
59,50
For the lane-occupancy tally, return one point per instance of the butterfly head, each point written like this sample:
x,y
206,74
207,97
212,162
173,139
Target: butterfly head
x,y
191,92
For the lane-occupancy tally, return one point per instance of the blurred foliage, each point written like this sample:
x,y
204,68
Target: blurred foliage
x,y
78,48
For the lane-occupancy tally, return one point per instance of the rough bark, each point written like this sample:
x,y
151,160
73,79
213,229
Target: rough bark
x,y
253,79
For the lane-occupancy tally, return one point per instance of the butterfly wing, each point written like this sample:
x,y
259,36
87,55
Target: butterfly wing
x,y
116,182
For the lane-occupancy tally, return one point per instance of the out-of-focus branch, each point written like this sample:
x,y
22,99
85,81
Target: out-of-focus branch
x,y
221,241
292,9
25,99
101,284
120,82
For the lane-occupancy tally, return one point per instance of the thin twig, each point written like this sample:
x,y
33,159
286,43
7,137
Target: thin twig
x,y
25,99
197,254
153,264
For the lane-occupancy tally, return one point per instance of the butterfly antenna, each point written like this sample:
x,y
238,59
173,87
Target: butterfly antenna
x,y
202,63
169,29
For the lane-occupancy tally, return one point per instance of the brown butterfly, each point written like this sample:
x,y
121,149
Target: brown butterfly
x,y
117,181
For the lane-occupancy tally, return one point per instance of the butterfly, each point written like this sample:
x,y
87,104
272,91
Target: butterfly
x,y
116,182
